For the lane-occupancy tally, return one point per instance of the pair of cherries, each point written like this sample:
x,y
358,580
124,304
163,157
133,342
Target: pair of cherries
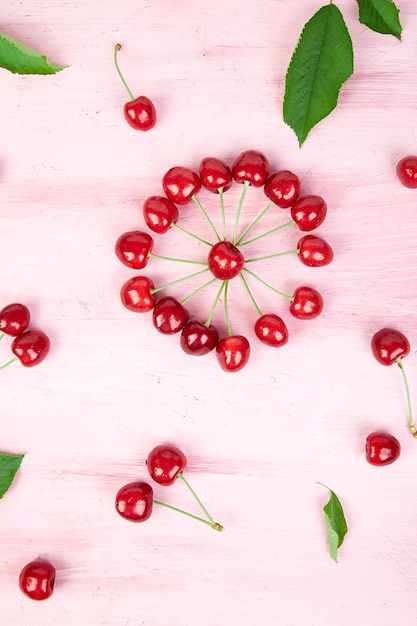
x,y
389,346
29,346
165,463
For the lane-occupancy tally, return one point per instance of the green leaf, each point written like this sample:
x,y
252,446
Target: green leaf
x,y
380,16
9,464
321,63
335,523
19,59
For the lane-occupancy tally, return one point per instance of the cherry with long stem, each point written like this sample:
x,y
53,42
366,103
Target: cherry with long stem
x,y
412,426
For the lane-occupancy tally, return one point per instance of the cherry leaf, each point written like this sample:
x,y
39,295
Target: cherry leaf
x,y
20,59
321,63
382,16
335,523
9,464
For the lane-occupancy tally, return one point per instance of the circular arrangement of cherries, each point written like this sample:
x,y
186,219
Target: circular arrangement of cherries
x,y
225,259
29,346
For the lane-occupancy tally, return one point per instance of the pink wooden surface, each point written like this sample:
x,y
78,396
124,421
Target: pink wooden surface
x,y
73,177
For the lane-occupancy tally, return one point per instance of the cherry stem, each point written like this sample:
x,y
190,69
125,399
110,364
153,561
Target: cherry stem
x,y
269,232
8,363
196,291
204,212
413,429
2,335
271,256
117,47
250,294
239,209
178,280
213,308
285,295
260,216
221,196
226,308
167,258
195,496
213,525
187,232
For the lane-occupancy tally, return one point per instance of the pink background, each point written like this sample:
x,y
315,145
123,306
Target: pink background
x,y
73,178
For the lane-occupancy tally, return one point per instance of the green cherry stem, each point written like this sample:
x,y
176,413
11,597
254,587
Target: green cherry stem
x,y
226,308
117,47
213,525
8,363
195,496
271,256
178,280
223,212
196,291
216,300
168,258
204,212
269,232
255,221
239,209
2,335
412,426
187,232
281,293
250,294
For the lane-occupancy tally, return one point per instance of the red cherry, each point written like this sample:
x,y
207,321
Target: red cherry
x,y
215,174
180,184
271,330
251,166
133,249
198,339
233,353
282,188
165,463
159,214
382,449
37,579
136,294
169,316
407,171
309,212
140,113
388,345
31,347
314,251
134,501
306,304
225,261
14,319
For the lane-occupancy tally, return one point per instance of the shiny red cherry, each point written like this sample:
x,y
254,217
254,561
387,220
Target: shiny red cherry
x,y
407,171
309,212
134,501
382,448
283,188
159,214
169,316
225,260
37,579
180,184
140,113
388,345
133,248
31,347
271,330
215,174
136,294
233,353
164,463
14,319
314,251
198,339
306,304
251,166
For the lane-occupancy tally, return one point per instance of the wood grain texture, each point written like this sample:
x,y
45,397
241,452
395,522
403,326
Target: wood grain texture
x,y
73,177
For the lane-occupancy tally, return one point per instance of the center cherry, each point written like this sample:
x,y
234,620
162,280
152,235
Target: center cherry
x,y
225,261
